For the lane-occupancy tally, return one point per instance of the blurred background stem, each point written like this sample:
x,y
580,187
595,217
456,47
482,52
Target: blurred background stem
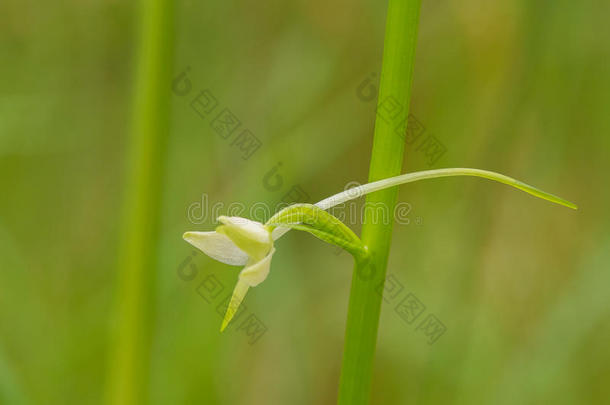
x,y
386,161
129,366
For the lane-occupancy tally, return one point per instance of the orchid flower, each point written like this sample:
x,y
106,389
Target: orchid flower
x,y
243,242
239,242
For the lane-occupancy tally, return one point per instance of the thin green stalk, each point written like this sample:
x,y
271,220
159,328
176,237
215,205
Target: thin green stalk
x,y
364,189
386,161
129,370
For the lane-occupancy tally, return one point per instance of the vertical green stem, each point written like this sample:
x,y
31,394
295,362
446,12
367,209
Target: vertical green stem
x,y
386,161
129,370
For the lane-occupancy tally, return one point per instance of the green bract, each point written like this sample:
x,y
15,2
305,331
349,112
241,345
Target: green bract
x,y
321,224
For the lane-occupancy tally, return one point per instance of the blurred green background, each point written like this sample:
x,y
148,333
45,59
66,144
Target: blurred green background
x,y
521,285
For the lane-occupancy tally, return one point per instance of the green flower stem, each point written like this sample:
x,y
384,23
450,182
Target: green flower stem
x,y
129,357
432,174
386,161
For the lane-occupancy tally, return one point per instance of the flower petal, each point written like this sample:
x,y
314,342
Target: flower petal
x,y
250,236
217,246
256,273
253,229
